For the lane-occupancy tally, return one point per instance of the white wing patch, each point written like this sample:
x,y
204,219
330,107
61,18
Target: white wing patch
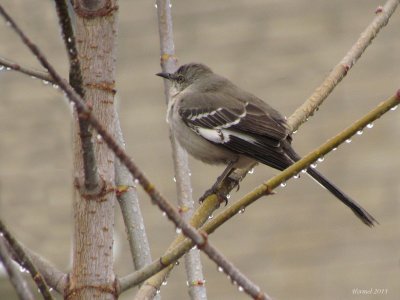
x,y
213,135
222,136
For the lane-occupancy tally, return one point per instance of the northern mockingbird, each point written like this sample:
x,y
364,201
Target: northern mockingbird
x,y
219,123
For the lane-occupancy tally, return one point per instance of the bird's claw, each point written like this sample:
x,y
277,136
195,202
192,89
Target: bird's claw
x,y
213,191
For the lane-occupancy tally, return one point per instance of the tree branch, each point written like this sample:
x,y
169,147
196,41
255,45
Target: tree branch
x,y
10,65
24,260
128,200
323,91
192,259
182,246
17,280
198,238
307,109
91,175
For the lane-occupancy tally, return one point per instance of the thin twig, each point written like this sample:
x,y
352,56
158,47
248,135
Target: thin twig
x,y
193,266
25,262
306,110
91,175
198,238
16,278
176,252
55,278
334,77
299,114
10,65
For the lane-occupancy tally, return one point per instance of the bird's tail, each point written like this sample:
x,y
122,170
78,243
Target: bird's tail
x,y
360,212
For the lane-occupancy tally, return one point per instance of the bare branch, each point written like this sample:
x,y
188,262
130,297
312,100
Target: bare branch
x,y
10,65
25,262
91,175
17,280
174,253
198,238
302,164
307,109
336,75
131,213
193,267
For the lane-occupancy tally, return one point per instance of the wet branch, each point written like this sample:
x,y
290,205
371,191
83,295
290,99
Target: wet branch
x,y
91,176
16,278
23,259
307,109
199,239
193,266
182,246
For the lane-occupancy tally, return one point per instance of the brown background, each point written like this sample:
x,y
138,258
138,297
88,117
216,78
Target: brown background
x,y
298,244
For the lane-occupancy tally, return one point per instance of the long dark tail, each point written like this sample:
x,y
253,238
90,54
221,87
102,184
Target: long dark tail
x,y
360,212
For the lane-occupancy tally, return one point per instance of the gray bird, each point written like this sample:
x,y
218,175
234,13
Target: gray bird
x,y
219,123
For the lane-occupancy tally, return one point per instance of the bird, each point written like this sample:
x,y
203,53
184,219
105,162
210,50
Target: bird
x,y
217,122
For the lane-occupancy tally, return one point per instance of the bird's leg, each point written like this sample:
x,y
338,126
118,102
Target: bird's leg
x,y
216,188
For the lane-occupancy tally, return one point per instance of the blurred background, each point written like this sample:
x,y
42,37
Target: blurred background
x,y
298,244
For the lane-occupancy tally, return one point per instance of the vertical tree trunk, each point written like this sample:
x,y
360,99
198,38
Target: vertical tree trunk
x,y
92,275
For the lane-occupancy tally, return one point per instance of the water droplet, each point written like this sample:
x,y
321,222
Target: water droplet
x,y
394,107
370,125
164,283
242,210
177,263
304,171
313,165
22,269
99,137
8,69
190,174
158,291
155,5
69,39
283,184
228,196
187,283
334,149
51,289
170,5
164,214
360,132
251,171
136,181
240,288
321,159
348,141
174,179
210,217
45,82
178,230
1,68
297,176
220,269
55,86
194,247
294,132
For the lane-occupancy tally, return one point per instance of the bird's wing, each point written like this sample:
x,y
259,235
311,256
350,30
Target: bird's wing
x,y
251,128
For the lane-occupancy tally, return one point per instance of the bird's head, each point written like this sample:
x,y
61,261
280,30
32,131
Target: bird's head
x,y
186,75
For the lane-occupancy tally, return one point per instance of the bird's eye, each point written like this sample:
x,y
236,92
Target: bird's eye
x,y
180,79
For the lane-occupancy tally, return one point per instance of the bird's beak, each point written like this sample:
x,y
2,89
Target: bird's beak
x,y
164,75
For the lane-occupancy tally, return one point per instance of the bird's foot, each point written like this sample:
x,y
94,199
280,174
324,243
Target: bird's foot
x,y
215,191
